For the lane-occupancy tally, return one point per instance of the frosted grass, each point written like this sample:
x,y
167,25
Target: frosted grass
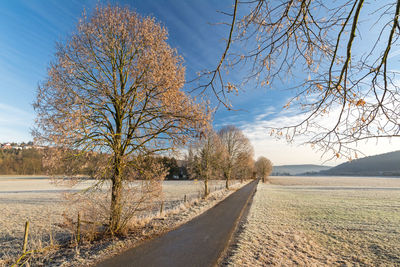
x,y
322,221
40,201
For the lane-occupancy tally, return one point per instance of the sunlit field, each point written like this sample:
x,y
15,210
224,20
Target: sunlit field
x,y
322,221
41,202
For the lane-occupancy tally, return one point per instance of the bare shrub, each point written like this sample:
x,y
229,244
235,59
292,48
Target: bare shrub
x,y
140,194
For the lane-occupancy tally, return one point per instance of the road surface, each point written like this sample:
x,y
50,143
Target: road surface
x,y
200,242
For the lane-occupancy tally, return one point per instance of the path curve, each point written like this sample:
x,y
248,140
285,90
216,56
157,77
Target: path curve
x,y
200,242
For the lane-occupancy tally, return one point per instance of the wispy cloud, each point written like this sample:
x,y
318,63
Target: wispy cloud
x,y
394,54
269,111
11,111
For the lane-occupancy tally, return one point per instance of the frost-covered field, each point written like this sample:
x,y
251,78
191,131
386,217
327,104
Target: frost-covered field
x,y
41,202
322,221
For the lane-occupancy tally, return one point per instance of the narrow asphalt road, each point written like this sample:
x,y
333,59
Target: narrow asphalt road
x,y
200,242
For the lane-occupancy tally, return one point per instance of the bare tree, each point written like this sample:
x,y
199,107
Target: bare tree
x,y
339,57
236,144
115,87
208,157
190,159
244,166
263,168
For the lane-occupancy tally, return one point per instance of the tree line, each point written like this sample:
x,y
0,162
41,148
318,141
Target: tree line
x,y
226,154
33,162
206,157
21,162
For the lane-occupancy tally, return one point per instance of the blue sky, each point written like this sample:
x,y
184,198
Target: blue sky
x,y
30,29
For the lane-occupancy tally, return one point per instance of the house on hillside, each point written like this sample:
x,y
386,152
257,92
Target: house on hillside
x,y
6,146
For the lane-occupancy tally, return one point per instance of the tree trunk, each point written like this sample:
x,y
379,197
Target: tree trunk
x,y
228,177
205,187
116,199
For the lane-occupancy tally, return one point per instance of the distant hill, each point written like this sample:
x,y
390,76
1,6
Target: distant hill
x,y
387,164
298,169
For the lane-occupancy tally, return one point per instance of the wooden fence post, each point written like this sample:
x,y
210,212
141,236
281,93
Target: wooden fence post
x,y
51,237
184,199
78,229
162,207
25,237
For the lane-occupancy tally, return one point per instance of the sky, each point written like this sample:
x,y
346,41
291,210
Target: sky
x,y
29,31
